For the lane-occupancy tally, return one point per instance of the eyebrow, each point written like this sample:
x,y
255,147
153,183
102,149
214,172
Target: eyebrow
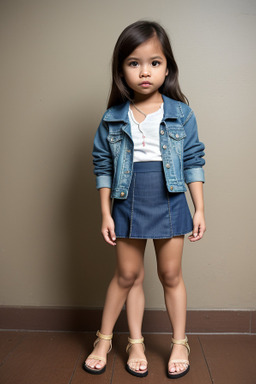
x,y
152,58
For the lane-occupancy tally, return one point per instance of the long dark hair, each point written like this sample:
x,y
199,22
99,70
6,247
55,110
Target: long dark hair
x,y
131,37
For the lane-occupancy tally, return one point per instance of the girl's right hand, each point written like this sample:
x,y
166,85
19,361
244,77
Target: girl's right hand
x,y
108,230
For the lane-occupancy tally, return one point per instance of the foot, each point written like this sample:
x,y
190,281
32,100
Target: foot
x,y
179,352
100,350
137,360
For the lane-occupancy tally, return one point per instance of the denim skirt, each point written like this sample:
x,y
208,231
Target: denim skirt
x,y
150,211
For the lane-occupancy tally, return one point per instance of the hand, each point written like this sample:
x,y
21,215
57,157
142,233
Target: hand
x,y
199,226
108,230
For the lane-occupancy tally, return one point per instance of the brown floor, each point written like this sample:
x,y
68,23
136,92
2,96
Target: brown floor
x,y
56,358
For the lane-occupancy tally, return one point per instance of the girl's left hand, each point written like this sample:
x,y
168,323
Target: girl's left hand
x,y
199,226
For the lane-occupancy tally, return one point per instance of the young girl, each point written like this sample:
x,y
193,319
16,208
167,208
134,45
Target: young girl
x,y
145,150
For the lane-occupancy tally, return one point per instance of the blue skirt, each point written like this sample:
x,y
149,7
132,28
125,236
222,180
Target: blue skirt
x,y
150,211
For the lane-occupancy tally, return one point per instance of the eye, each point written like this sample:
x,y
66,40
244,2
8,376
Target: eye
x,y
155,63
133,64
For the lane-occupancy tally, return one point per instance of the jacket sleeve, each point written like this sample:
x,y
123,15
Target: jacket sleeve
x,y
193,152
102,159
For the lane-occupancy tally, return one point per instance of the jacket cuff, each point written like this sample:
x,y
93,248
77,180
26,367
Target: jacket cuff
x,y
103,181
194,174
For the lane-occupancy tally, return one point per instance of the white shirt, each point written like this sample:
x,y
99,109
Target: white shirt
x,y
145,136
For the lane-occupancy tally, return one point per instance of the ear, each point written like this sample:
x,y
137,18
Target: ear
x,y
167,72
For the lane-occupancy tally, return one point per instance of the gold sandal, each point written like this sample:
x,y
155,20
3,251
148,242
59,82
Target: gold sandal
x,y
131,342
181,361
96,371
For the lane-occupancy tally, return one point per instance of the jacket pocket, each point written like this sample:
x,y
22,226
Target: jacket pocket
x,y
177,140
115,141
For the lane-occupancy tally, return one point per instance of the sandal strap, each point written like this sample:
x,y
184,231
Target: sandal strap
x,y
103,337
131,342
137,361
178,361
181,342
96,357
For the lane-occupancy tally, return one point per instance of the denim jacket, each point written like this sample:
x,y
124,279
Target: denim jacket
x,y
180,147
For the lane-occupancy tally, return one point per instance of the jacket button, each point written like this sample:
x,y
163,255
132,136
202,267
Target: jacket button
x,y
164,146
177,135
122,194
168,166
162,132
171,188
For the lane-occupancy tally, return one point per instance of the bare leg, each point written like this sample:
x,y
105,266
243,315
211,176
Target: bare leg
x,y
169,255
129,255
135,304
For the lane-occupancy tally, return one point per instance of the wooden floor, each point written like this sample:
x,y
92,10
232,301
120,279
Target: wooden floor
x,y
56,358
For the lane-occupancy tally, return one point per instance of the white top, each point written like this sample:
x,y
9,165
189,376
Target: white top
x,y
145,136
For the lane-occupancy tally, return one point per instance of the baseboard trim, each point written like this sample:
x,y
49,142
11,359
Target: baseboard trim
x,y
82,319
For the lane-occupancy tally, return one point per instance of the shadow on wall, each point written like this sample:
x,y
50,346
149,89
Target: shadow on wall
x,y
89,260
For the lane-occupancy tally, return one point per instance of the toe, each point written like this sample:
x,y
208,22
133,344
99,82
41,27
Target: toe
x,y
99,365
177,367
94,364
137,366
180,368
143,366
132,366
89,363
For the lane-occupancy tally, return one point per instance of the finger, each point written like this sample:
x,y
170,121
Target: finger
x,y
195,230
194,238
202,230
107,238
112,235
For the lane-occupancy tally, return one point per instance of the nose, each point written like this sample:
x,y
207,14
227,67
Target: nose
x,y
145,72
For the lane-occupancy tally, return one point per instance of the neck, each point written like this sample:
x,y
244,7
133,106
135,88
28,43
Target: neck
x,y
155,98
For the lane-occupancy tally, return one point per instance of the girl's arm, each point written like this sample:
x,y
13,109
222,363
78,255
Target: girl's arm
x,y
108,225
196,192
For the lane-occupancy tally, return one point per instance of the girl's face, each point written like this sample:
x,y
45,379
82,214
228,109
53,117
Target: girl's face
x,y
145,68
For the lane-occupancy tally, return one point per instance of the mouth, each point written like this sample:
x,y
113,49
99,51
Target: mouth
x,y
145,84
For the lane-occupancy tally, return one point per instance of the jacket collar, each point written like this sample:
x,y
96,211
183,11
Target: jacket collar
x,y
171,108
120,112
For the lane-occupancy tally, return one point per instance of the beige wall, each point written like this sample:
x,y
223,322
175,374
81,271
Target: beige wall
x,y
55,76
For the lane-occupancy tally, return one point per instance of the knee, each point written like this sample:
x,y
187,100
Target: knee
x,y
127,279
139,278
170,279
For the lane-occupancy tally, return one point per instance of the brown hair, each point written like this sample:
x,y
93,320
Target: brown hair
x,y
131,37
